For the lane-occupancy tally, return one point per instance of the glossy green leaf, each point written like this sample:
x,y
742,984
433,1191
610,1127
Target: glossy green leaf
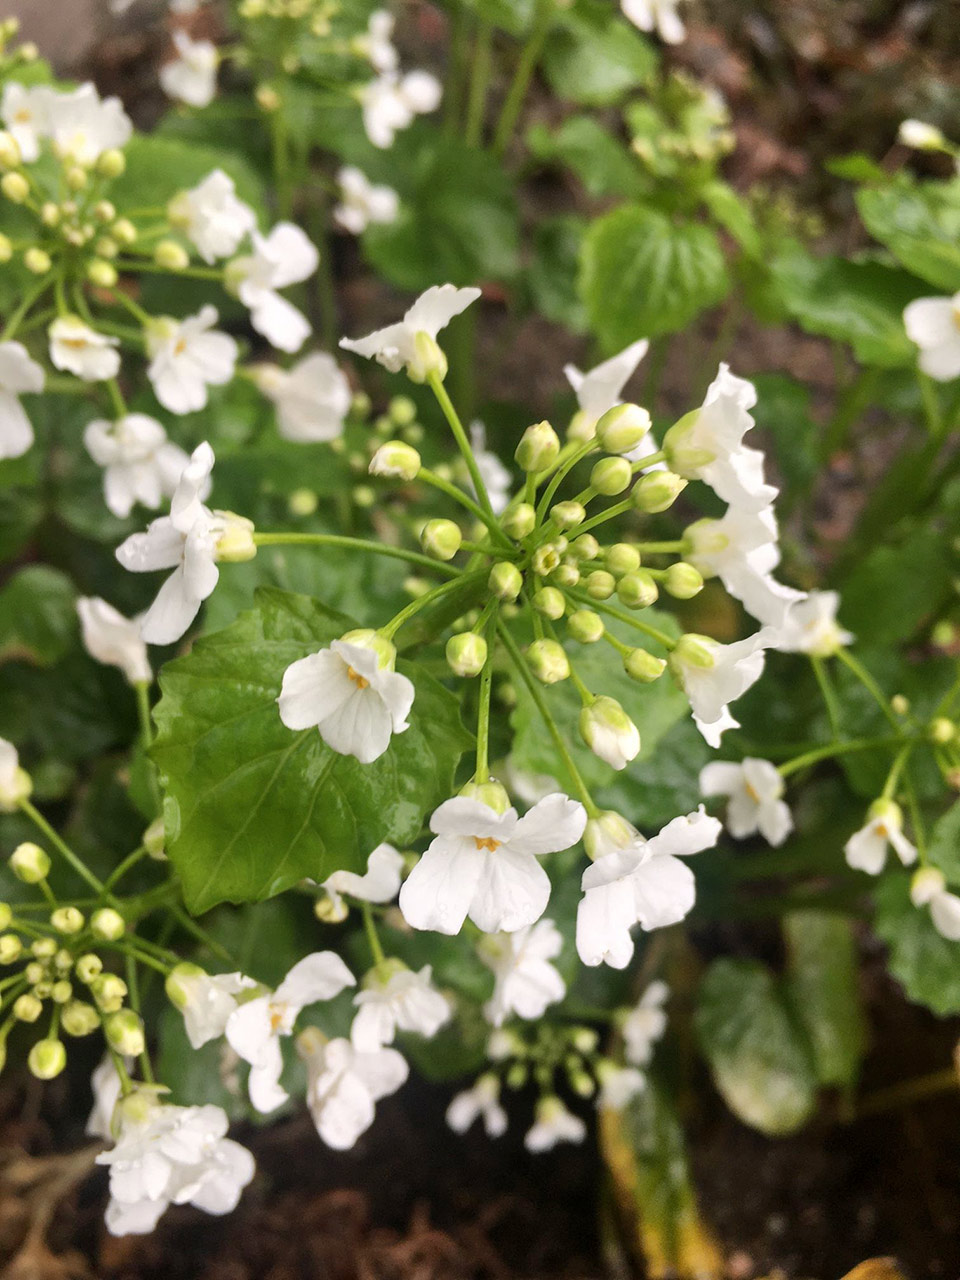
x,y
923,962
919,222
944,847
595,57
601,161
252,807
38,618
823,981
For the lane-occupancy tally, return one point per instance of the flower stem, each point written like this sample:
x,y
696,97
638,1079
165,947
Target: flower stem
x,y
29,298
479,82
122,868
483,720
830,749
75,862
829,696
369,925
868,682
456,426
645,628
355,544
527,64
437,593
563,470
452,491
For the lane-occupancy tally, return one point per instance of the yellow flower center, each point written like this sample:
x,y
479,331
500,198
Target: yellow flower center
x,y
360,681
180,347
751,792
75,344
487,842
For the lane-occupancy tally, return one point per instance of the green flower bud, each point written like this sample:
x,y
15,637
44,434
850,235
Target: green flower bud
x,y
622,428
19,788
621,558
566,575
942,731
586,626
6,914
490,793
34,972
567,515
44,948
67,920
27,1008
643,666
236,545
124,232
692,650
656,491
10,948
89,967
505,580
50,214
545,559
111,164
47,1059
548,662
637,590
611,476
9,150
180,983
581,1082
15,187
171,256
550,602
330,910
609,732
107,925
63,960
683,581
76,177
402,410
153,840
61,991
6,248
441,539
29,863
584,1039
124,1032
367,638
303,502
586,547
539,447
104,211
109,992
428,359
519,521
466,653
79,1018
106,248
600,585
37,261
396,460
102,273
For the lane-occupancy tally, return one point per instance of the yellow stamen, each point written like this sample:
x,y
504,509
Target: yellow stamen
x,y
360,681
487,842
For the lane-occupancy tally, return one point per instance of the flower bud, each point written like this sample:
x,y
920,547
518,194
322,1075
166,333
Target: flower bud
x,y
643,666
124,1032
637,590
402,411
29,863
396,460
89,967
6,248
104,211
545,559
586,547
109,991
606,833
15,187
566,575
505,580
330,910
106,248
37,261
466,653
611,476
63,960
519,521
27,1008
34,972
926,883
44,948
621,558
548,662
609,732
19,788
47,1059
10,948
942,731
600,585
102,273
683,581
367,638
550,602
622,428
491,793
235,544
6,914
428,359
76,177
171,256
586,626
539,447
9,150
61,991
441,539
267,97
920,135
124,232
79,1018
111,163
657,491
692,651
154,839
567,515
107,925
899,704
50,214
67,920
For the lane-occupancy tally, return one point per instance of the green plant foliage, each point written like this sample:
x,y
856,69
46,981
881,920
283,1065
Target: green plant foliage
x,y
922,961
919,222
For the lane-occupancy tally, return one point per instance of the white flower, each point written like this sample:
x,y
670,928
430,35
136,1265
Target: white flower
x,y
186,541
391,102
866,850
105,1084
921,136
713,674
609,732
212,217
484,864
141,464
482,1100
113,639
15,784
312,398
344,1085
707,444
933,324
78,349
656,15
192,76
645,1024
350,693
376,44
19,374
380,883
600,388
255,1027
395,346
284,257
525,980
618,1085
363,202
206,1000
553,1123
186,358
755,788
637,881
83,127
928,888
497,480
811,627
25,110
741,549
171,1155
393,999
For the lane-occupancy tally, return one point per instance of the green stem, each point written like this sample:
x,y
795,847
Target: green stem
x,y
29,298
190,925
280,155
370,928
456,426
483,720
828,694
390,629
868,682
907,1091
188,273
126,865
645,628
75,862
831,749
618,509
853,402
564,467
142,317
353,544
931,406
479,82
529,57
452,491
893,777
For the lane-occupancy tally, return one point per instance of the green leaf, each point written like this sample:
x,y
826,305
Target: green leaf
x,y
944,847
594,58
823,978
919,222
552,273
458,219
857,167
923,962
38,619
922,575
734,215
600,161
515,16
759,1057
642,274
252,807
